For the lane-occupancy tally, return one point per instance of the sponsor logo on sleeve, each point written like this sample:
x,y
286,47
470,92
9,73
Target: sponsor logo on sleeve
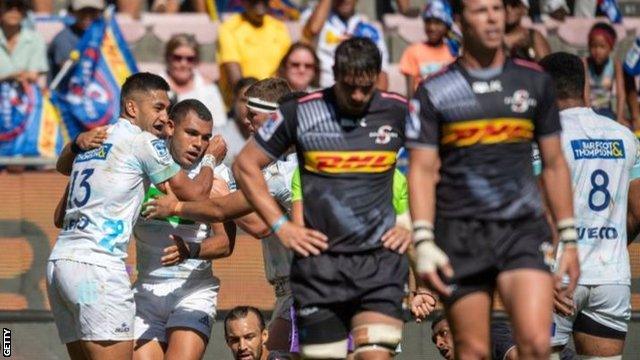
x,y
269,128
95,154
597,149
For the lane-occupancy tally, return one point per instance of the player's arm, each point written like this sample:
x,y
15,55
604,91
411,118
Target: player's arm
x,y
620,93
61,208
218,246
316,21
84,141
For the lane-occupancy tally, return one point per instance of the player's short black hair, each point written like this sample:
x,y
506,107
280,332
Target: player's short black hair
x,y
269,89
141,82
241,312
440,317
180,110
357,56
567,71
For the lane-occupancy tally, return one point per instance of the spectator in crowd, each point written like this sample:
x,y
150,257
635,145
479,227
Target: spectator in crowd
x,y
421,59
556,9
23,52
174,6
43,6
246,335
301,68
235,133
333,21
605,73
251,44
523,43
85,12
182,55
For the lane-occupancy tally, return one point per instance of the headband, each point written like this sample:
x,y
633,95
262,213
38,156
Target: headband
x,y
611,40
262,106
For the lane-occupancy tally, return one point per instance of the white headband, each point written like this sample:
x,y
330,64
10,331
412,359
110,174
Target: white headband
x,y
262,106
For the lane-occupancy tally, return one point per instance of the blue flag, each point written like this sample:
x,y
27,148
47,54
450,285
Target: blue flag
x,y
29,124
89,95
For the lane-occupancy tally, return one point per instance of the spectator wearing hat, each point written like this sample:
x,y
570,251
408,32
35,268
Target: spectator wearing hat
x,y
333,21
85,13
422,59
523,43
22,50
605,74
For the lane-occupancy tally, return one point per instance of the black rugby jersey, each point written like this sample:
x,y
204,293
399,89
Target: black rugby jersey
x,y
484,129
346,164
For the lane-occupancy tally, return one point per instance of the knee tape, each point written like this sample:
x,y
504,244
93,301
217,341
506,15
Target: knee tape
x,y
333,350
376,337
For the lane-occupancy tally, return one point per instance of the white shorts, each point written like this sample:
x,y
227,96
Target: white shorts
x,y
609,306
90,302
162,304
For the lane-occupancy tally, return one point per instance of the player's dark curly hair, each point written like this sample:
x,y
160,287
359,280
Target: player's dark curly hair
x,y
567,71
180,110
357,56
141,82
241,312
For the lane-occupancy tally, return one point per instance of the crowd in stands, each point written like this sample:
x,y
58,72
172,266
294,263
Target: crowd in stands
x,y
255,44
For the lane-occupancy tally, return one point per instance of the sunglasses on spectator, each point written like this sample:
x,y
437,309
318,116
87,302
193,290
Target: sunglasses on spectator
x,y
179,58
307,66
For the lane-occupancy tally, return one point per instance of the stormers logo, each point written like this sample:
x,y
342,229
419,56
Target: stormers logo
x,y
494,131
349,161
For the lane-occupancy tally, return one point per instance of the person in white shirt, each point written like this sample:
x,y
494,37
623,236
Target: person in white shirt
x,y
87,282
604,159
331,22
182,55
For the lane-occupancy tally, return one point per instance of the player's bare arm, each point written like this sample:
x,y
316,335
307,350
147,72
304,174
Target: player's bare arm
x,y
557,184
61,208
85,141
247,171
423,176
218,246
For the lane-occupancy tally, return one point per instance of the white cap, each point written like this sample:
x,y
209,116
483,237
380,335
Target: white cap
x,y
81,4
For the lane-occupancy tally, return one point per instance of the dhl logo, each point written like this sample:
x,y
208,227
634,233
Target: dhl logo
x,y
349,161
500,130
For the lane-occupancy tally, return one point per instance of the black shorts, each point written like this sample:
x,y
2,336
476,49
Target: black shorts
x,y
329,289
480,250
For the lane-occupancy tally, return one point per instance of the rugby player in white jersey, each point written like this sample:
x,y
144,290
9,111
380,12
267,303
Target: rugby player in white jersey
x,y
604,160
176,292
87,282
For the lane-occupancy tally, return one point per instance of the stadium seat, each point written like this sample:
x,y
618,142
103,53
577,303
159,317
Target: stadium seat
x,y
205,32
208,70
397,81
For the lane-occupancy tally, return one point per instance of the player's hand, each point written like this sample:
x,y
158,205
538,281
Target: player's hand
x,y
422,304
430,259
162,206
219,188
218,148
92,139
397,239
569,265
175,254
303,241
563,304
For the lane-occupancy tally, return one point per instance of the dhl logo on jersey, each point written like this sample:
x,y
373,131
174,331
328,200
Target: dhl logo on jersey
x,y
335,162
494,131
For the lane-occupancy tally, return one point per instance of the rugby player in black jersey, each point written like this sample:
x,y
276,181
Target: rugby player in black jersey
x,y
346,138
470,134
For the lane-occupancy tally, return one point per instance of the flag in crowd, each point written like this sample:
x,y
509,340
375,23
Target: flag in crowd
x,y
283,9
88,95
29,124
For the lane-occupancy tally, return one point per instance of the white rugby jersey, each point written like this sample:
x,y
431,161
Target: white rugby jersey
x,y
152,236
107,186
603,158
277,258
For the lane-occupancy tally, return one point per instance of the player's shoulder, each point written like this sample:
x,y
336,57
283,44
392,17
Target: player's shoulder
x,y
441,74
312,97
527,66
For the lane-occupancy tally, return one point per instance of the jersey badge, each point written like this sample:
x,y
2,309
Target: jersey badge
x,y
269,128
597,149
95,154
412,125
520,101
384,134
160,147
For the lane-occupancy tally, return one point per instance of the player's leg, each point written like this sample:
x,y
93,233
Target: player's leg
x,y
185,343
75,351
146,349
375,335
150,339
527,295
108,350
280,326
189,323
469,317
600,328
323,333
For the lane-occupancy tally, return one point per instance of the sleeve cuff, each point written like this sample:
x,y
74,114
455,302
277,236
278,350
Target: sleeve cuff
x,y
164,174
634,173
